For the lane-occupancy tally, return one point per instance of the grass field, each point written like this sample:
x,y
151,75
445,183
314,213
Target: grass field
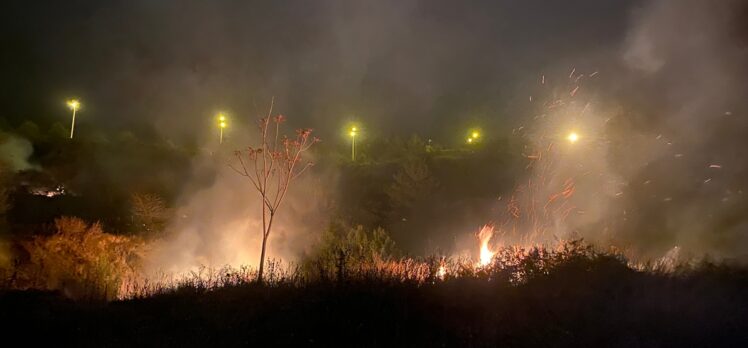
x,y
589,300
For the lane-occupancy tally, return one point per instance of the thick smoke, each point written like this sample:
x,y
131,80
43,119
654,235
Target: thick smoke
x,y
15,153
688,60
658,166
667,106
220,223
14,157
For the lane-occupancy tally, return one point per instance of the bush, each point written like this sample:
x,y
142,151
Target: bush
x,y
343,247
81,259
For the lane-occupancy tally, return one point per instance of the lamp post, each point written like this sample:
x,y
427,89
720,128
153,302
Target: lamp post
x,y
221,125
73,104
353,133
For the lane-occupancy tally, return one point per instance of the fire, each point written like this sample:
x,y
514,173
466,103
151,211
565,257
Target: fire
x,y
441,272
486,255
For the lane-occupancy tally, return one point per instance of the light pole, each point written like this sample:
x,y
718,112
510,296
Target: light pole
x,y
221,126
73,104
353,133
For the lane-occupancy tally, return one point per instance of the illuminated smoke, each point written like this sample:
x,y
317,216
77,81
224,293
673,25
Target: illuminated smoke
x,y
15,152
219,224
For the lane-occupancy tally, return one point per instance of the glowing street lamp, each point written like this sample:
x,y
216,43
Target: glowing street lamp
x,y
473,138
573,137
221,125
353,133
74,105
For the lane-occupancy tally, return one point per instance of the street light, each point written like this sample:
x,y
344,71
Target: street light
x,y
74,105
473,138
221,125
353,133
573,137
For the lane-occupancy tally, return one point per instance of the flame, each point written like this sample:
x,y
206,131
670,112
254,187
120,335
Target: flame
x,y
486,255
441,272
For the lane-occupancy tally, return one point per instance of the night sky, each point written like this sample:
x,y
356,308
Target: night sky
x,y
404,66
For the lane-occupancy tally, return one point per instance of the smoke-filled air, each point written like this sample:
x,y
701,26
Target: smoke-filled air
x,y
375,173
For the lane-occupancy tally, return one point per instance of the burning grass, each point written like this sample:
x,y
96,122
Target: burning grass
x,y
570,295
82,261
508,265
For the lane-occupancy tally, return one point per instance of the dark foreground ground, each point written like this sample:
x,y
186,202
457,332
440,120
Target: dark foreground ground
x,y
601,303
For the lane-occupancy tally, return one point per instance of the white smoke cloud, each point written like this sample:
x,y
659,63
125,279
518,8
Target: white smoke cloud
x,y
15,152
661,172
687,60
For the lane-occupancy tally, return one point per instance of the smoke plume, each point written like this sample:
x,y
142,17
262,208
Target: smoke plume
x,y
219,223
15,152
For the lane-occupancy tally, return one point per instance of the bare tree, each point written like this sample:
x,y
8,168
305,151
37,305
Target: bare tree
x,y
272,167
148,211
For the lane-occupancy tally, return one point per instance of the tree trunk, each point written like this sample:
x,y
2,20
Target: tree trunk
x,y
262,258
265,236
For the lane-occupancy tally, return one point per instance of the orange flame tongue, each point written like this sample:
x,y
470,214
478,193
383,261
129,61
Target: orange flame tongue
x,y
486,255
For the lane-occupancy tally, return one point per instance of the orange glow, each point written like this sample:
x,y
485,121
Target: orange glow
x,y
486,255
441,272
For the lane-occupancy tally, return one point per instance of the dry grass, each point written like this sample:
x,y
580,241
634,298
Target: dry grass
x,y
79,259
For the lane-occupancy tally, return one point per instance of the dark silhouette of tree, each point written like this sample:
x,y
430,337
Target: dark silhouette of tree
x,y
411,183
149,212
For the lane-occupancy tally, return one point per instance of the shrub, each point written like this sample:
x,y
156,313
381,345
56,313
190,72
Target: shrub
x,y
81,259
343,248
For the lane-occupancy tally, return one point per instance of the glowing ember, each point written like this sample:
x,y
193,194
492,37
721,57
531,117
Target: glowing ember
x,y
486,255
41,191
